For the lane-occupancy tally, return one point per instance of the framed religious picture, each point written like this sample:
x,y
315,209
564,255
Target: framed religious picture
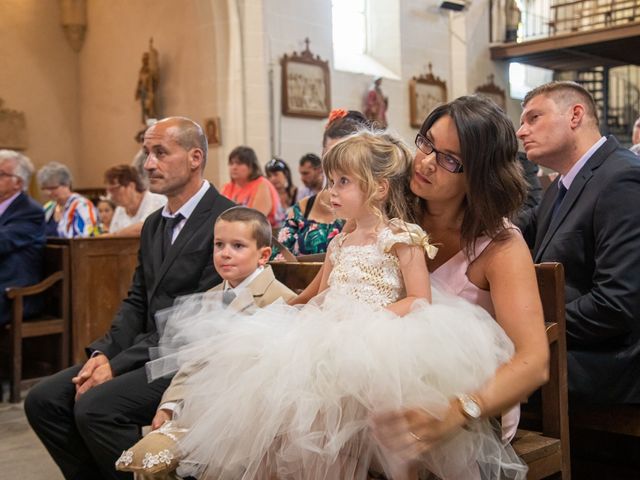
x,y
494,92
306,85
212,131
426,92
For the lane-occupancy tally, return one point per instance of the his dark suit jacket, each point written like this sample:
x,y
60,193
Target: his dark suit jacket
x,y
21,244
595,234
187,268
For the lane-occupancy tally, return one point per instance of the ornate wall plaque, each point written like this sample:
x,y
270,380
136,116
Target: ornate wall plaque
x,y
13,129
426,92
306,85
494,92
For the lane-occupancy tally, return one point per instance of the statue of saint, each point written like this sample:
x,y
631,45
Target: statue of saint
x,y
148,80
375,104
513,18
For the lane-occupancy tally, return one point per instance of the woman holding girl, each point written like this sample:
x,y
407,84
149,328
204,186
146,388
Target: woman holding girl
x,y
293,388
468,186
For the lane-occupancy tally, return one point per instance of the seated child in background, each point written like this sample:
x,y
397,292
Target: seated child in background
x,y
242,238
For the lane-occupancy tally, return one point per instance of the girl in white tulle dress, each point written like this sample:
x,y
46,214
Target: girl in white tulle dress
x,y
288,391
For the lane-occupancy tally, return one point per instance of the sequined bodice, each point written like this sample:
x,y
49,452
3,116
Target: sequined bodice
x,y
366,273
371,273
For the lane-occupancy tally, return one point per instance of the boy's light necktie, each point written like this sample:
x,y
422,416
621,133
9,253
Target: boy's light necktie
x,y
227,296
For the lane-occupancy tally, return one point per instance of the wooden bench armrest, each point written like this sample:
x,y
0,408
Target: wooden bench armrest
x,y
15,292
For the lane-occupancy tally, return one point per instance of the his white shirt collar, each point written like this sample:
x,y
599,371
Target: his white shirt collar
x,y
568,179
186,210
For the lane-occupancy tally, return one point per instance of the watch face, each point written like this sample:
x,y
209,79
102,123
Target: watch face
x,y
470,406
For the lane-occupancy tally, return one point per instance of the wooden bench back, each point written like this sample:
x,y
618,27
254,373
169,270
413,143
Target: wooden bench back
x,y
549,453
56,259
555,421
101,273
295,275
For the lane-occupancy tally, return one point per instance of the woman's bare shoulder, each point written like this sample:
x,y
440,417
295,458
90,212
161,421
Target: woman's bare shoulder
x,y
507,252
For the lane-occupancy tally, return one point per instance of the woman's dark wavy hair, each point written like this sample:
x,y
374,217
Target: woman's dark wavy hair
x,y
341,127
277,164
495,184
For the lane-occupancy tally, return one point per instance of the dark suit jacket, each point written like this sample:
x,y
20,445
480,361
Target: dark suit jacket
x,y
596,236
21,244
187,268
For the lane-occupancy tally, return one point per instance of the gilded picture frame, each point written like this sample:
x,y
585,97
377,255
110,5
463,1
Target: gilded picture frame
x,y
493,92
306,85
426,92
212,131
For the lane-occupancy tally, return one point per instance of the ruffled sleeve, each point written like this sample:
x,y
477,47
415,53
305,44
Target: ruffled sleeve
x,y
400,231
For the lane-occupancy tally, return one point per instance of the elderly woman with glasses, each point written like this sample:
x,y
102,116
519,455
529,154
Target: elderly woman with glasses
x,y
468,185
249,187
134,202
67,214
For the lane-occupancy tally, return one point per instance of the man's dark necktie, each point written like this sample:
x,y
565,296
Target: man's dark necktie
x,y
169,224
562,191
227,296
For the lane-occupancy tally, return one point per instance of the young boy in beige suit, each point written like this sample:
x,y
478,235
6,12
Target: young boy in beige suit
x,y
241,250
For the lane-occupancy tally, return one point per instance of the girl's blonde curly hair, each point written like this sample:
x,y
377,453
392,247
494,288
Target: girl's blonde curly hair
x,y
373,157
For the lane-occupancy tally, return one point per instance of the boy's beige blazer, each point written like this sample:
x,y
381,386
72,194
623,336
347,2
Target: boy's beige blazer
x,y
265,290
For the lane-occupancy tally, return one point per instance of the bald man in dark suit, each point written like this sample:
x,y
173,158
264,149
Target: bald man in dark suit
x,y
88,414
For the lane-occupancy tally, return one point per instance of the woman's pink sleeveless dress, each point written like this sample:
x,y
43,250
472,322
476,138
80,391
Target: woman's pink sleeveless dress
x,y
451,277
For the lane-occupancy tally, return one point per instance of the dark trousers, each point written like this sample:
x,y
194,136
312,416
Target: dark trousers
x,y
85,438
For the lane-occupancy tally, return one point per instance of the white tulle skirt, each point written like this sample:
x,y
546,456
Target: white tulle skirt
x,y
288,392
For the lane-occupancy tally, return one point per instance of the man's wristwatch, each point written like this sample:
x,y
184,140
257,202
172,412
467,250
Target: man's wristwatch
x,y
470,406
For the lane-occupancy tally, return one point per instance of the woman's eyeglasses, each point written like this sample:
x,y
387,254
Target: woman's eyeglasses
x,y
446,161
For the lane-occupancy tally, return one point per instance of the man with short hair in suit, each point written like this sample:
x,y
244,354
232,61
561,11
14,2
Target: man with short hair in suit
x,y
88,414
588,220
21,232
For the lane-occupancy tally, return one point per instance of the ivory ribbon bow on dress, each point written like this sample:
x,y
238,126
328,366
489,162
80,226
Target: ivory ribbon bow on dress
x,y
417,236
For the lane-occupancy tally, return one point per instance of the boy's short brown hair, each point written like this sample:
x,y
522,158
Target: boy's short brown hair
x,y
260,225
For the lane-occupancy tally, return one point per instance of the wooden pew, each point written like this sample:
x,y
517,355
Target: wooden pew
x,y
53,321
295,275
101,273
546,452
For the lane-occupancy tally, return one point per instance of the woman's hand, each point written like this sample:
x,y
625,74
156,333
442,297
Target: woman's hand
x,y
408,433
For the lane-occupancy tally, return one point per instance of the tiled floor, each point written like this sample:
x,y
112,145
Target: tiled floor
x,y
22,456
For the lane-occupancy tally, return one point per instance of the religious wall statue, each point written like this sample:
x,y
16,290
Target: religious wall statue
x,y
375,104
512,21
148,81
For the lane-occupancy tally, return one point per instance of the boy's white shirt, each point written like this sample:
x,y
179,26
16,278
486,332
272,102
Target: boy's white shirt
x,y
245,282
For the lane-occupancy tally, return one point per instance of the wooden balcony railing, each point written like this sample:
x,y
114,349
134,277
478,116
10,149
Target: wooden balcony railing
x,y
545,18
